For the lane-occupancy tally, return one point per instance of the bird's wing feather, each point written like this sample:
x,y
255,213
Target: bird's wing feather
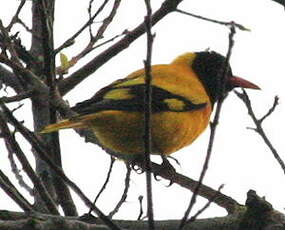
x,y
131,98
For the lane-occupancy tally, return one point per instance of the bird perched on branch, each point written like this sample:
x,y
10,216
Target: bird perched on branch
x,y
183,96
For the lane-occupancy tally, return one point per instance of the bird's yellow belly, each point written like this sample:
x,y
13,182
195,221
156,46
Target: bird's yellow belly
x,y
170,130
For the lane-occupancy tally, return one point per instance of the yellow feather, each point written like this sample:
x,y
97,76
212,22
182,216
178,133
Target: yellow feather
x,y
121,129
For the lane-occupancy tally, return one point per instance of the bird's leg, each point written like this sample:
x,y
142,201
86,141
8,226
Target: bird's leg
x,y
166,167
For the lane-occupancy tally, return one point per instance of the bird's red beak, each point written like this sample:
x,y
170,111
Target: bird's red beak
x,y
240,82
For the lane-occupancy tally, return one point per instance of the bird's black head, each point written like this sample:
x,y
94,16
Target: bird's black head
x,y
210,66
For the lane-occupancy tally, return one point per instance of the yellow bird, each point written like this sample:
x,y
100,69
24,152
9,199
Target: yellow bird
x,y
183,95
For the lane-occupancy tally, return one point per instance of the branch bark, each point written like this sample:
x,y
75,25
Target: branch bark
x,y
258,214
74,79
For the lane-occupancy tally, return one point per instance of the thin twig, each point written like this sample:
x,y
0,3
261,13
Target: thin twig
x,y
106,22
140,199
258,124
43,155
16,171
271,110
70,40
78,76
16,16
12,143
112,161
18,97
213,126
12,192
125,192
147,115
90,16
210,201
239,26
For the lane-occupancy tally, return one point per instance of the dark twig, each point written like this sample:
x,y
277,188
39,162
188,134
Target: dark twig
x,y
258,124
222,200
239,26
271,110
106,22
63,195
70,40
18,97
112,161
16,171
213,126
16,16
78,76
90,16
140,199
12,143
147,115
24,25
12,192
125,192
210,201
43,155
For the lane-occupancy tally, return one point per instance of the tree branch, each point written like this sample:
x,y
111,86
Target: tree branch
x,y
12,143
213,126
257,214
147,137
8,78
39,147
13,193
258,124
74,79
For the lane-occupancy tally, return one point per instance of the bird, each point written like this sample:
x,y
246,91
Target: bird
x,y
183,95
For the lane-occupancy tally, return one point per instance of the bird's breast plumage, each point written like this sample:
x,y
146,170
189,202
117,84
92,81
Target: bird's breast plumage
x,y
181,111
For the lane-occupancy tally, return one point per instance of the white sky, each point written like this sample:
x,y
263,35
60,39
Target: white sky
x,y
240,160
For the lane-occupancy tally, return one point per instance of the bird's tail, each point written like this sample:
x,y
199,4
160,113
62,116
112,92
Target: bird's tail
x,y
64,124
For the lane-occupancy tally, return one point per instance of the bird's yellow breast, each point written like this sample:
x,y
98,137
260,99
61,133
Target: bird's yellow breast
x,y
123,131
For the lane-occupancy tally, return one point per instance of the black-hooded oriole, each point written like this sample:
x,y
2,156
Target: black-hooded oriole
x,y
183,95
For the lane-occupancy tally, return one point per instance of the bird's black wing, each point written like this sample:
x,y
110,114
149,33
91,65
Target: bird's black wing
x,y
131,98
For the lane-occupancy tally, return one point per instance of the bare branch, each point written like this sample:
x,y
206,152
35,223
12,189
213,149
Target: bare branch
x,y
18,97
221,200
16,16
78,76
16,171
12,192
271,110
43,155
210,201
213,126
70,41
258,124
147,114
239,26
12,143
125,192
112,161
90,46
10,79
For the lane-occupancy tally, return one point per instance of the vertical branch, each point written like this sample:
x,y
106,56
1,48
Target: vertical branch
x,y
213,126
105,183
147,114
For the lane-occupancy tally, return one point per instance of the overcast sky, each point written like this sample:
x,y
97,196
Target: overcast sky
x,y
240,159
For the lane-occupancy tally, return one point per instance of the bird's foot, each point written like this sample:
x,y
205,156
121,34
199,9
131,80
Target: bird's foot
x,y
165,168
